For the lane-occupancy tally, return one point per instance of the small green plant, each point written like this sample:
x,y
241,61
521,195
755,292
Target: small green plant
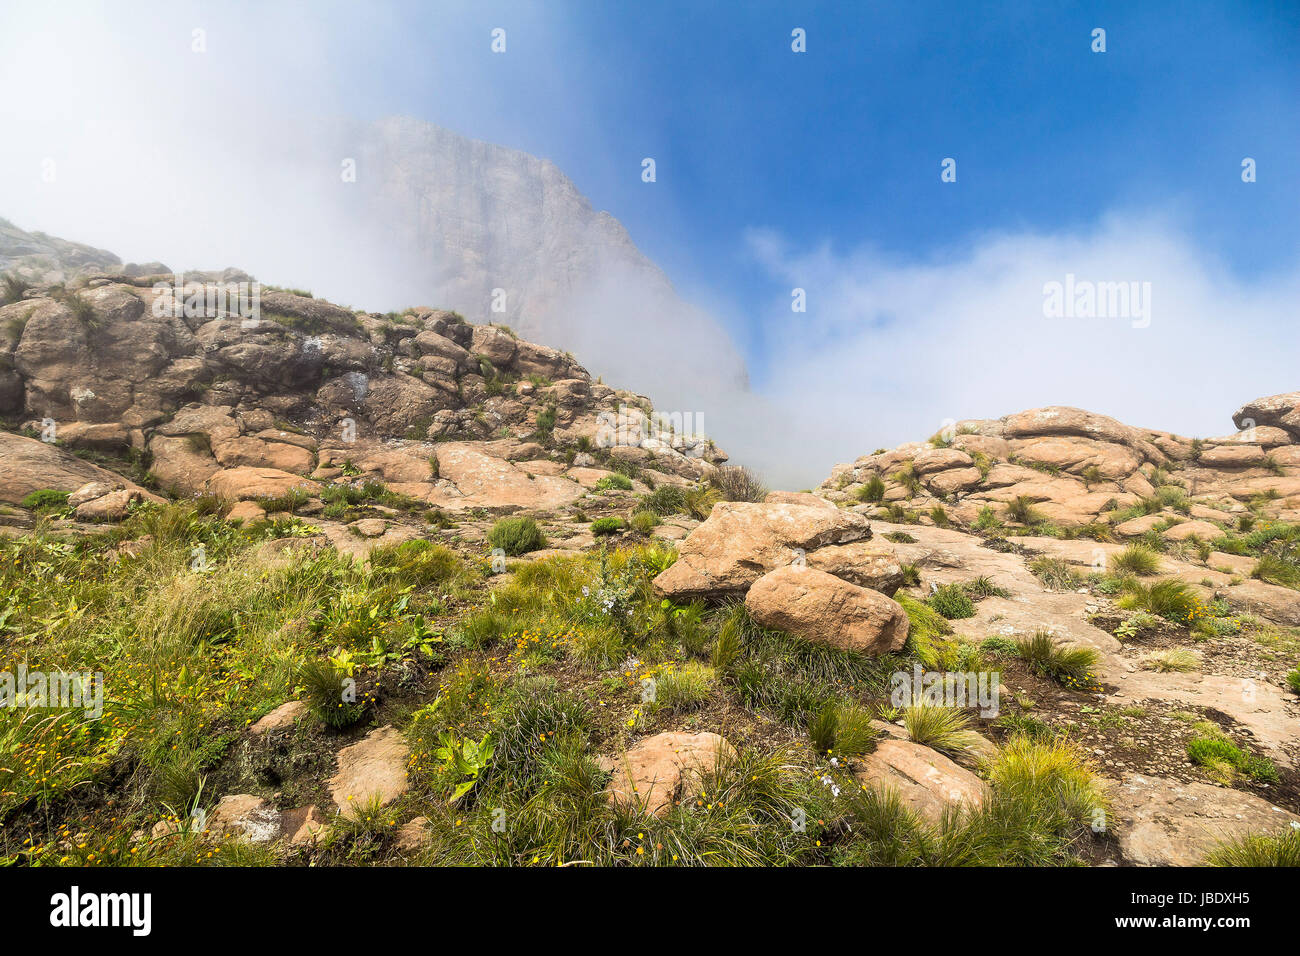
x,y
842,730
946,729
1135,559
1279,849
1068,664
1171,599
1224,760
607,526
1056,574
873,490
952,602
12,289
614,482
644,521
463,761
1022,511
683,689
738,483
45,501
331,693
516,536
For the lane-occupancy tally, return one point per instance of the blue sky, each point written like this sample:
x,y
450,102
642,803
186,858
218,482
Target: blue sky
x,y
842,144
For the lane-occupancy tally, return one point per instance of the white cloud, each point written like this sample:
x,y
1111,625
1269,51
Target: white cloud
x,y
888,350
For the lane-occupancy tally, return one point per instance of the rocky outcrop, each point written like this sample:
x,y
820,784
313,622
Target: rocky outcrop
x,y
1162,822
924,779
243,403
1073,467
370,772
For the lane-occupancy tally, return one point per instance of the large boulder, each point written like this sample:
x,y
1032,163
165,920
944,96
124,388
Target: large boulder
x,y
741,541
1280,411
822,608
32,465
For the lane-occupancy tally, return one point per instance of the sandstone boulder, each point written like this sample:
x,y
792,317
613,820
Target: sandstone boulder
x,y
373,769
822,608
742,541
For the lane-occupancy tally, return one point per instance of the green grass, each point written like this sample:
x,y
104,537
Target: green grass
x,y
1056,574
1171,599
45,501
1224,760
1280,849
614,482
1021,510
952,602
516,536
946,729
607,526
1069,664
738,483
872,490
1135,559
842,730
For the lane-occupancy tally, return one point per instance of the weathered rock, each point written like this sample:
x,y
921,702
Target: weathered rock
x,y
658,771
31,465
303,826
1161,822
822,608
283,717
925,780
741,541
245,816
864,563
373,769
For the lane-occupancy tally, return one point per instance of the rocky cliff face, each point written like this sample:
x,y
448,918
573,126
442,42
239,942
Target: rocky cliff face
x,y
507,237
207,397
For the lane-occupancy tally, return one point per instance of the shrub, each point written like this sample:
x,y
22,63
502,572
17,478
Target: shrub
x,y
331,697
738,483
1135,559
614,482
684,689
1022,511
907,477
605,526
644,521
952,602
1293,679
1069,664
516,536
946,729
873,490
843,730
940,517
666,500
12,289
1171,599
987,520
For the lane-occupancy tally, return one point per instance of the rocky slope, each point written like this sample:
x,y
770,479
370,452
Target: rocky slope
x,y
451,414
1074,466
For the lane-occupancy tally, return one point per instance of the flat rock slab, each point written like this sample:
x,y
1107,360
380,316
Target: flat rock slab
x,y
655,771
373,768
925,779
283,717
1161,822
